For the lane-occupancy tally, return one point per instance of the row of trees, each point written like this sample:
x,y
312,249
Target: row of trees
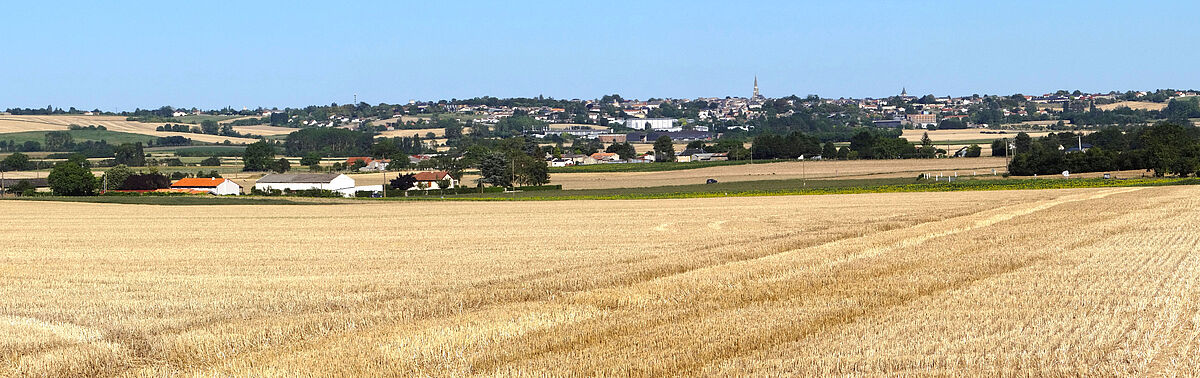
x,y
1166,148
207,126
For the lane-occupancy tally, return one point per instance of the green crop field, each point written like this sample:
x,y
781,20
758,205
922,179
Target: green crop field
x,y
811,187
199,150
112,137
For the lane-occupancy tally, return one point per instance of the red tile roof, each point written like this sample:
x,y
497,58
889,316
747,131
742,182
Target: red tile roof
x,y
431,176
192,182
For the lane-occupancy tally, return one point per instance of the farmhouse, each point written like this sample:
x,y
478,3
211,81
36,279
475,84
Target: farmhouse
x,y
655,124
218,186
606,157
611,138
696,154
923,120
313,181
432,180
578,159
369,164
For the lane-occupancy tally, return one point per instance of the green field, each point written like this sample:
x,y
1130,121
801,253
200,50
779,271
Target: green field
x,y
808,187
653,167
176,200
199,150
112,137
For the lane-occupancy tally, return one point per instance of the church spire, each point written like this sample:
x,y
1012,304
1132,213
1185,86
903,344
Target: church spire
x,y
756,86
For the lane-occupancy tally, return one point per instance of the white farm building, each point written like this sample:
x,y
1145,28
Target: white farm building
x,y
654,124
218,186
308,181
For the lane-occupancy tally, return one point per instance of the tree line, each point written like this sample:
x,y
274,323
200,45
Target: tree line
x,y
1165,148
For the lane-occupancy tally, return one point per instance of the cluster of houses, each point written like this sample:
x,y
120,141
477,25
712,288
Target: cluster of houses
x,y
335,182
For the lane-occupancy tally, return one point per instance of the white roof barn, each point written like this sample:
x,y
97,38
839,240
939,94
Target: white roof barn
x,y
309,181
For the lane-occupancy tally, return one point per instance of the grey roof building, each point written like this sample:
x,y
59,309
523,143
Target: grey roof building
x,y
299,178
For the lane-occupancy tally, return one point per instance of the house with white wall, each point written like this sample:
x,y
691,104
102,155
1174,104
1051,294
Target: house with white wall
x,y
308,181
432,180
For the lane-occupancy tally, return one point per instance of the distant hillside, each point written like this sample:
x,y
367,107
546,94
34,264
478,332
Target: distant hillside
x,y
25,123
1136,105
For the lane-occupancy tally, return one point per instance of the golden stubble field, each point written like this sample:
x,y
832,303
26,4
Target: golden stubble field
x,y
13,124
1094,282
1136,105
816,170
956,136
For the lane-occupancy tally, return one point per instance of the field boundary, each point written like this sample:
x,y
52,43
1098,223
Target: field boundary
x,y
965,185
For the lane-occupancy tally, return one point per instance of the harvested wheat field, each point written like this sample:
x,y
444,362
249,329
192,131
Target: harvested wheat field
x,y
264,130
959,135
1135,105
817,170
12,124
1056,282
410,132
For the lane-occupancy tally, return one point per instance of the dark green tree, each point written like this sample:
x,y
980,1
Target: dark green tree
x,y
68,178
80,159
16,162
452,166
974,150
209,126
624,150
211,161
829,151
310,159
403,182
115,177
282,165
664,149
1170,148
131,154
494,170
998,147
531,171
927,149
58,141
259,156
1022,143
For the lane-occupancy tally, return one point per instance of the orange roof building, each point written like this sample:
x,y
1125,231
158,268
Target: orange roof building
x,y
218,186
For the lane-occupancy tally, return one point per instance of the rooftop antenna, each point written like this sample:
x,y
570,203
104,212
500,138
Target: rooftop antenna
x,y
356,99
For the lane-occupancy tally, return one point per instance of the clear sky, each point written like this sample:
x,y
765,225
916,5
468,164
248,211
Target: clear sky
x,y
121,55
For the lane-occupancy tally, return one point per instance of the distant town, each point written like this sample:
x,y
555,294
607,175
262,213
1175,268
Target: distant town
x,y
518,141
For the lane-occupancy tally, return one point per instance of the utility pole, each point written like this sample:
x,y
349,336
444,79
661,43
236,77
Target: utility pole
x,y
804,171
1007,155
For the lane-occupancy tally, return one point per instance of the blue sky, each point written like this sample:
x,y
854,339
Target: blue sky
x,y
247,54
